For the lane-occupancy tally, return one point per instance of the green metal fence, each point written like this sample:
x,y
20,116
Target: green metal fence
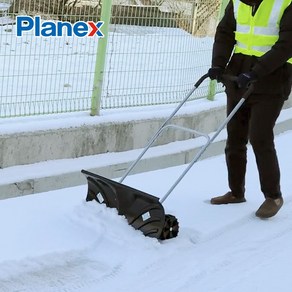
x,y
154,55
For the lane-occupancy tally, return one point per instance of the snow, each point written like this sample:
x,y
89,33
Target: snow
x,y
58,242
55,241
68,120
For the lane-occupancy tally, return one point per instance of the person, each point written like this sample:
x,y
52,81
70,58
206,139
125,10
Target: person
x,y
253,41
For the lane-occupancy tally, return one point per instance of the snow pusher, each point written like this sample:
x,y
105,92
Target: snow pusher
x,y
144,211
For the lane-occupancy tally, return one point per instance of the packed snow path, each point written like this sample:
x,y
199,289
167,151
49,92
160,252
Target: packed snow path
x,y
55,241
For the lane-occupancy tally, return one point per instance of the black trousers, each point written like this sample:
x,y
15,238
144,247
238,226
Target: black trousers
x,y
253,122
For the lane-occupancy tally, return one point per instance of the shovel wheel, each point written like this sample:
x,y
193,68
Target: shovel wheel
x,y
170,228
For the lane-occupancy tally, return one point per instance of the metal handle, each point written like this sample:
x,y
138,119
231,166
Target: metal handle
x,y
153,139
166,125
209,141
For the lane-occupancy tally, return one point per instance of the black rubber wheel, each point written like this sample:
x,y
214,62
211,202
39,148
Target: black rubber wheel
x,y
170,228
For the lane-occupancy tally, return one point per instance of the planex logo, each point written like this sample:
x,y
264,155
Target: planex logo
x,y
57,28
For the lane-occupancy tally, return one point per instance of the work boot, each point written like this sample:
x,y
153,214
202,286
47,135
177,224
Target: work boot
x,y
269,207
228,198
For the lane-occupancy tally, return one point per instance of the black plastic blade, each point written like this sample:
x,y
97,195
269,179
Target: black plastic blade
x,y
143,211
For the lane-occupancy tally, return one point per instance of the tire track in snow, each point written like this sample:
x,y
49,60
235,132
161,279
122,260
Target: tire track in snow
x,y
230,256
220,252
237,267
85,271
243,221
71,272
75,270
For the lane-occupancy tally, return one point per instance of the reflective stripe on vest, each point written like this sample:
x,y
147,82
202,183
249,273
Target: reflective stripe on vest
x,y
255,35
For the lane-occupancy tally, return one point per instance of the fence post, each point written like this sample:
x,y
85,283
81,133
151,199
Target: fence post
x,y
194,16
213,83
100,58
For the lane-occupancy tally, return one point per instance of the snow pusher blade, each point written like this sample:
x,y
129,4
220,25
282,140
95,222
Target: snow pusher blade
x,y
143,211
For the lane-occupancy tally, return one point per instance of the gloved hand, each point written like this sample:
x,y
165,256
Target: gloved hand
x,y
216,73
244,80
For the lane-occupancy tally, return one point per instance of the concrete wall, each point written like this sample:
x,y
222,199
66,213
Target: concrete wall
x,y
102,137
106,148
30,147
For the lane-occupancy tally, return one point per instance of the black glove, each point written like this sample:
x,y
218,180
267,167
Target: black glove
x,y
244,80
216,73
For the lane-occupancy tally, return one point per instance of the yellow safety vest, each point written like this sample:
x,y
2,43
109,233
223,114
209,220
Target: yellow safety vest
x,y
255,35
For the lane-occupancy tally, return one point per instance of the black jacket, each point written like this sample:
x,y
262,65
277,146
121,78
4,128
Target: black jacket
x,y
273,71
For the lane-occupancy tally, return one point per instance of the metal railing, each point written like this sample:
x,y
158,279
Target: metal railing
x,y
154,54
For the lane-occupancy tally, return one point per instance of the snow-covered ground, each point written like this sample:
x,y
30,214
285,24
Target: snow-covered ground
x,y
56,241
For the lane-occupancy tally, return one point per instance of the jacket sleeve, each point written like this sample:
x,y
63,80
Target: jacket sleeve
x,y
224,40
281,50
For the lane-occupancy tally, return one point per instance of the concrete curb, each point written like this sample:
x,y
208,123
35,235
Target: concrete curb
x,y
158,157
50,174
